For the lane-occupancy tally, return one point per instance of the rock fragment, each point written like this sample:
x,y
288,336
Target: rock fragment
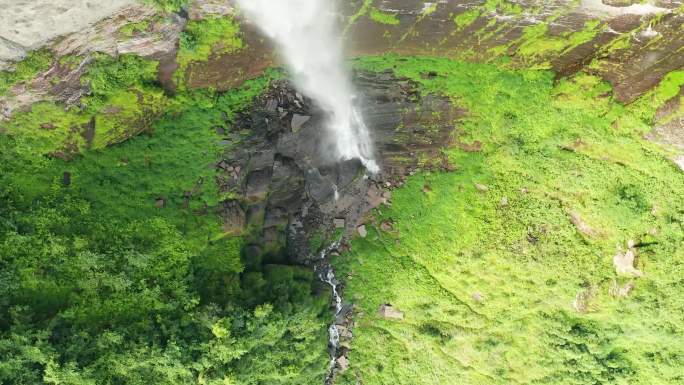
x,y
362,231
582,226
481,188
679,161
621,291
298,121
478,297
339,223
342,364
386,226
387,311
624,262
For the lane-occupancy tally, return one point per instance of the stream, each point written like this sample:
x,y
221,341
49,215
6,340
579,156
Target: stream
x,y
325,273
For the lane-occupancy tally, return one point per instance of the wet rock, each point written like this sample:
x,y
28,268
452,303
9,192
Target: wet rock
x,y
387,311
319,187
342,364
374,197
233,217
298,121
258,184
272,105
345,314
344,332
361,230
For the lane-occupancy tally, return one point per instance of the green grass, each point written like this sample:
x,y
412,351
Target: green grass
x,y
487,289
25,70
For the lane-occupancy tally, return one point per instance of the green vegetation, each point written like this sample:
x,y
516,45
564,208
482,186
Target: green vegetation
x,y
124,100
646,106
504,268
363,10
114,268
168,5
25,70
129,30
429,10
503,7
466,18
202,38
381,17
537,44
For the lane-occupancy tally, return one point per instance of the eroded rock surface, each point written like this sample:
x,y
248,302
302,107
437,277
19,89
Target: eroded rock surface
x,y
30,24
289,193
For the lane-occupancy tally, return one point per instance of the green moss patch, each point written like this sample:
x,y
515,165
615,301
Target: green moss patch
x,y
466,18
25,70
381,17
202,38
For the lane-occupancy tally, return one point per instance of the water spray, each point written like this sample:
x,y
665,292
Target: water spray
x,y
308,38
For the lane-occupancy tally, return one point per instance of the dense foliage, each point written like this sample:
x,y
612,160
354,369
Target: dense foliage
x,y
113,265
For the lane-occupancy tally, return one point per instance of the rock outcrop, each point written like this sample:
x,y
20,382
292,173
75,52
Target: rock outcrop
x,y
29,24
287,192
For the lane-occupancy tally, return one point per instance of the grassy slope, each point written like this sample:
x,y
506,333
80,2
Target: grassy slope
x,y
526,260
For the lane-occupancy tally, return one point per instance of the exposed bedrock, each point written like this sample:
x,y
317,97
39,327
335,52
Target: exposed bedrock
x,y
286,192
632,46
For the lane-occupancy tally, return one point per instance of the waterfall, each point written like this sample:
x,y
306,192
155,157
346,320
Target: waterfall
x,y
309,40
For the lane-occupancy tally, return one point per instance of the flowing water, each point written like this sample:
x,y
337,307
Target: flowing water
x,y
326,274
308,38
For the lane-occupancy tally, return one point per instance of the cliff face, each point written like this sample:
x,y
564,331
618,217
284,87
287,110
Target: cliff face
x,y
631,45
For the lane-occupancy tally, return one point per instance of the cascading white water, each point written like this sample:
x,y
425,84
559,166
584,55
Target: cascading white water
x,y
310,42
